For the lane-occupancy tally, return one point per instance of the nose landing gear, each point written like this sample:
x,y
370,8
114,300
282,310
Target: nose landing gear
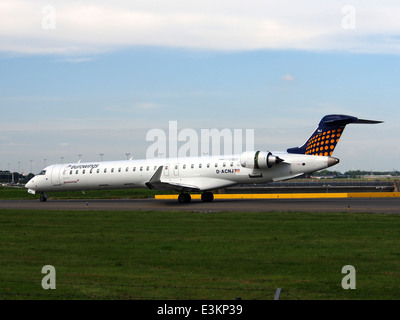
x,y
43,197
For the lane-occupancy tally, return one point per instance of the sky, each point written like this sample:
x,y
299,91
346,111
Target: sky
x,y
84,78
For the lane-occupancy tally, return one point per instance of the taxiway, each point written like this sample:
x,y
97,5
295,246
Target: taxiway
x,y
350,205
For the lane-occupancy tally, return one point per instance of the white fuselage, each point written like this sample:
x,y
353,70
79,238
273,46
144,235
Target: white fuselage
x,y
184,174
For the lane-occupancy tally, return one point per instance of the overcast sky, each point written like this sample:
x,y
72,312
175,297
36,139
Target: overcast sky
x,y
91,77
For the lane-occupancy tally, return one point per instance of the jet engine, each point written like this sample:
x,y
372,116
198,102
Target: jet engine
x,y
259,159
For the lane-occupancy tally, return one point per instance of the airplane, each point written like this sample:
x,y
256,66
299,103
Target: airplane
x,y
200,174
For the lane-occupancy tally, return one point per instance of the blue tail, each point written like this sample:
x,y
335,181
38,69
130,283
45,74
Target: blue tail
x,y
325,138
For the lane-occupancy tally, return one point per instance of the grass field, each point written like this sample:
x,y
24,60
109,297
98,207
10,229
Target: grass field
x,y
7,193
183,255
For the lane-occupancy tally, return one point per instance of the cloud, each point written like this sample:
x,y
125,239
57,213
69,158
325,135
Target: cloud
x,y
77,60
77,28
132,108
148,106
288,77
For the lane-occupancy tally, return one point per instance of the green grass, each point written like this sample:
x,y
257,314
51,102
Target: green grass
x,y
7,193
181,255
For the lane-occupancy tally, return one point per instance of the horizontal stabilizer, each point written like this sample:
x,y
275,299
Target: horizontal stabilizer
x,y
368,121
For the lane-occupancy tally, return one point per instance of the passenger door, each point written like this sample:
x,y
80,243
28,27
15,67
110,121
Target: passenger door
x,y
55,175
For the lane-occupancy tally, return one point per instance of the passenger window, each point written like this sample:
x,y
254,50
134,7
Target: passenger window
x,y
70,172
208,165
147,168
112,170
141,168
231,164
134,168
184,166
155,168
127,169
216,165
105,170
224,165
200,165
83,171
192,166
98,170
77,171
119,169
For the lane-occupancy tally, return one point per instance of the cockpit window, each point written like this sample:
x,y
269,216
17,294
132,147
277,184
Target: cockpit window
x,y
42,173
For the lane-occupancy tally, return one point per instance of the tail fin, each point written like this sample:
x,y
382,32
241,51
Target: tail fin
x,y
324,139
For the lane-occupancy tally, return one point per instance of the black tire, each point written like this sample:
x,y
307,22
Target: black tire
x,y
184,198
207,197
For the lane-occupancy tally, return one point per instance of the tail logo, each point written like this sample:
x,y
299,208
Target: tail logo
x,y
323,143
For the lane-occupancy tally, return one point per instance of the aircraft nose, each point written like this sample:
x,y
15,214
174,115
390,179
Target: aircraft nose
x,y
29,184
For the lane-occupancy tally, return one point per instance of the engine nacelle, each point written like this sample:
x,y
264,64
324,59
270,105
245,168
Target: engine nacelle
x,y
259,159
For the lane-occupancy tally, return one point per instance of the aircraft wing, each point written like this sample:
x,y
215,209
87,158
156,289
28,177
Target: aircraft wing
x,y
287,178
186,184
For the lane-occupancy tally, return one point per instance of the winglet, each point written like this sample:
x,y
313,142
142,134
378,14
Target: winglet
x,y
155,179
324,139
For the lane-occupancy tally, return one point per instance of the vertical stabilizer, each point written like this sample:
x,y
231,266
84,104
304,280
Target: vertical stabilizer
x,y
325,138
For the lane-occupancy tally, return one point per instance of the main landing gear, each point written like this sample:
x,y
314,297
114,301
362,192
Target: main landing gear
x,y
207,197
186,198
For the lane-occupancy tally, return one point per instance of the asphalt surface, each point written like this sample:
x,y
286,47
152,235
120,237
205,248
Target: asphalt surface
x,y
367,205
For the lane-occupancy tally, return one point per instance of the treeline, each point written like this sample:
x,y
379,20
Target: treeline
x,y
356,173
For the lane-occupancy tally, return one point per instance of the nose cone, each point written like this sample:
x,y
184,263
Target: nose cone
x,y
332,161
29,184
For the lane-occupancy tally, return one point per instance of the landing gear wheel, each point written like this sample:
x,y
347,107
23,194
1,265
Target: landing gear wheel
x,y
184,198
207,197
43,197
